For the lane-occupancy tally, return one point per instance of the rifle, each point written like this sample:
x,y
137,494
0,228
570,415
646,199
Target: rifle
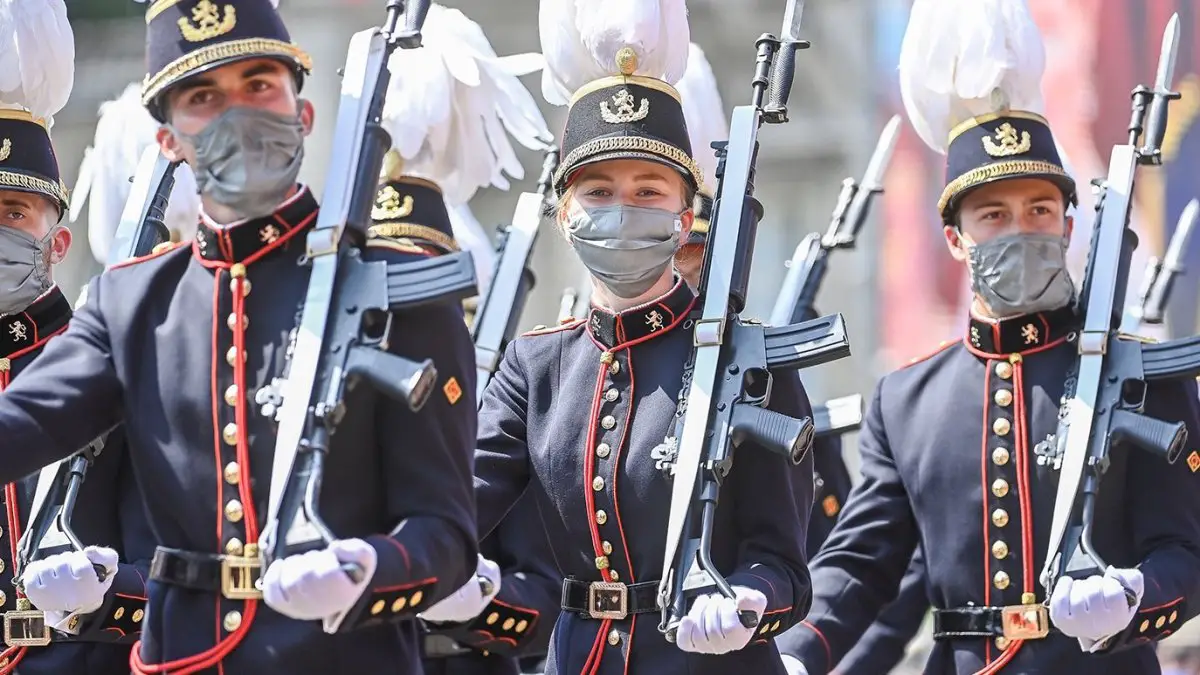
x,y
346,318
1160,274
728,378
575,300
142,227
806,272
498,313
57,488
1105,392
838,415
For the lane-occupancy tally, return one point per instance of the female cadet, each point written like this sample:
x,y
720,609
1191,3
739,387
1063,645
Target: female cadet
x,y
576,412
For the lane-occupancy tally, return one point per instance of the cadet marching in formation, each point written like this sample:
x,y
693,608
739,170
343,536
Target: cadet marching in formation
x,y
524,530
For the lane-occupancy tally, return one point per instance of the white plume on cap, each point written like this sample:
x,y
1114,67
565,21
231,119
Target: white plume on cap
x,y
703,112
965,59
581,38
37,57
471,237
123,133
452,103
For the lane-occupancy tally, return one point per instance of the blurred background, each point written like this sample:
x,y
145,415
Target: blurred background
x,y
900,292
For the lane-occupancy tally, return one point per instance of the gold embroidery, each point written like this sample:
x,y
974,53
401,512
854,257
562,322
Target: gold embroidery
x,y
1193,461
269,234
388,205
982,174
1009,145
219,51
209,22
18,331
654,320
5,149
637,147
1030,333
623,102
975,335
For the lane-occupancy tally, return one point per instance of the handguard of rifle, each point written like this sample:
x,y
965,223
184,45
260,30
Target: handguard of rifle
x,y
807,344
772,430
1165,439
441,278
1172,360
395,376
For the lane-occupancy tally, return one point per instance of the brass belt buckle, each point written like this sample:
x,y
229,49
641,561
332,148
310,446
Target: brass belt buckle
x,y
26,626
1025,622
608,600
239,575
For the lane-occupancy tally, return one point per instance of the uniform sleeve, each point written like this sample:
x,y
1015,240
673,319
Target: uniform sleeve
x,y
883,646
1166,523
859,569
432,550
518,622
772,501
71,397
502,456
831,487
119,619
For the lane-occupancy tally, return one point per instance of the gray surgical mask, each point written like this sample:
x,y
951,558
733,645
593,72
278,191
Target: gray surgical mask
x,y
248,159
1021,274
626,247
24,269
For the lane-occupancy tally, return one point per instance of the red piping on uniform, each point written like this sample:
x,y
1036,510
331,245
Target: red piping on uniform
x,y
1023,476
1028,352
589,471
824,642
983,473
12,515
1176,601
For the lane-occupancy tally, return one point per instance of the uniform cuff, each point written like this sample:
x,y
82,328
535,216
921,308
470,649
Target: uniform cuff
x,y
501,628
1148,625
389,596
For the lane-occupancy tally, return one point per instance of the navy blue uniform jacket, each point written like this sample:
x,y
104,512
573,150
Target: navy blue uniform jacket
x,y
955,460
575,415
177,346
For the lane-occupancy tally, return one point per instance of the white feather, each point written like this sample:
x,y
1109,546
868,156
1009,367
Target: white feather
x,y
964,59
274,3
37,56
124,131
453,104
581,38
472,238
703,112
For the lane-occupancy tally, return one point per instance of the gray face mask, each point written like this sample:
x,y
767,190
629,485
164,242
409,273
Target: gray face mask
x,y
1021,274
24,269
626,247
248,159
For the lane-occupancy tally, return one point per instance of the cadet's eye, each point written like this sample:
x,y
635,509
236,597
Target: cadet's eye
x,y
201,97
259,86
598,192
649,192
15,215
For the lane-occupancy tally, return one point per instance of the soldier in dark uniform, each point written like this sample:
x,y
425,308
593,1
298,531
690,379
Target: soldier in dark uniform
x,y
957,448
576,413
95,621
516,620
181,344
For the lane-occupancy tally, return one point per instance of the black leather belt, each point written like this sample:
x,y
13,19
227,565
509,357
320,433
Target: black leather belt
x,y
609,600
1015,622
232,576
437,646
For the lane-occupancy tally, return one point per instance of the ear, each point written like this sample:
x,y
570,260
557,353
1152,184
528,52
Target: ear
x,y
60,243
954,242
1070,227
169,144
307,115
685,220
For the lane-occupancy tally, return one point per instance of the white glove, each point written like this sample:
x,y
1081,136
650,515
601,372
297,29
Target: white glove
x,y
1096,608
312,585
793,665
65,584
712,626
468,601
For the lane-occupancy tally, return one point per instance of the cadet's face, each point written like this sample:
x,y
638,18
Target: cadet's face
x,y
36,216
265,84
1016,206
632,182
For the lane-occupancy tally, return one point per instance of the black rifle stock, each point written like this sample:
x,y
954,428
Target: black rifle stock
x,y
728,380
1106,391
346,320
142,227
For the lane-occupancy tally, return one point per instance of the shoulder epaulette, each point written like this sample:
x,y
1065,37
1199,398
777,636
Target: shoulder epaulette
x,y
943,346
161,249
547,330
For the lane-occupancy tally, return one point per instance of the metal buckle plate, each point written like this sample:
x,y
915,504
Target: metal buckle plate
x,y
26,628
239,577
608,600
1025,622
